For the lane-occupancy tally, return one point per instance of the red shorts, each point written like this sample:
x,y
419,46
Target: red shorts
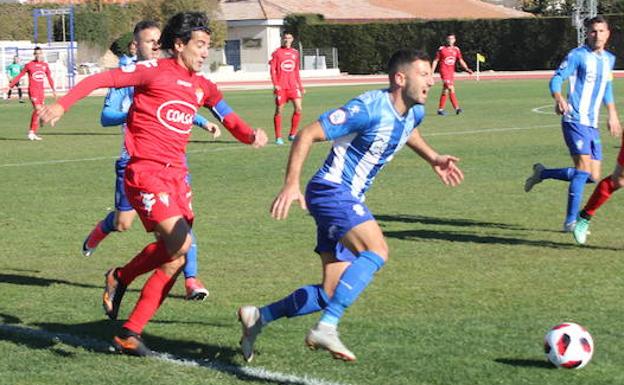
x,y
158,192
36,99
448,82
284,96
620,158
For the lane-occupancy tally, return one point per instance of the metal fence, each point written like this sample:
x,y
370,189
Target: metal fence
x,y
319,58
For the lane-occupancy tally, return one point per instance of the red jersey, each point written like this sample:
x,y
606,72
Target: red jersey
x,y
166,98
285,69
37,71
447,56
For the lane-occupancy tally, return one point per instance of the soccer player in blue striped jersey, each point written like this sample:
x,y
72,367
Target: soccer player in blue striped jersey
x,y
588,69
115,112
366,133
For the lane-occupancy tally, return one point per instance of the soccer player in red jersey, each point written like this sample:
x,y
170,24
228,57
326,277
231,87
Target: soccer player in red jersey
x,y
167,95
287,85
447,56
37,70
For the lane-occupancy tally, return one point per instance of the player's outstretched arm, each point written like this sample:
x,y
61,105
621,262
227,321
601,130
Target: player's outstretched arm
x,y
291,190
445,166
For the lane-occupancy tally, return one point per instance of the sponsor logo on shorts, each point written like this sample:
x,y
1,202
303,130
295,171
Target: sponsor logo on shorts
x,y
331,232
579,144
177,116
164,198
359,210
148,201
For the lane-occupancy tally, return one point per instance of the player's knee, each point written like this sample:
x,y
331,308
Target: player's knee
x,y
381,250
123,225
618,181
174,265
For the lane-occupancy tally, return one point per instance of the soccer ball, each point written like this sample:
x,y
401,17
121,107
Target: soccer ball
x,y
569,346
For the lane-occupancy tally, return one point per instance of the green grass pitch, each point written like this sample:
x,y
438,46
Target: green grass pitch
x,y
477,274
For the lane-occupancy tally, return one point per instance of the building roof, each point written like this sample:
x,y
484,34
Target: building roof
x,y
365,10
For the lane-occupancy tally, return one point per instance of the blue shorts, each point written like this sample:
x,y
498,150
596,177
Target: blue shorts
x,y
121,200
582,140
336,212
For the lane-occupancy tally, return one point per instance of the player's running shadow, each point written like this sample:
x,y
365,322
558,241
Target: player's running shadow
x,y
94,337
460,222
456,236
519,362
27,280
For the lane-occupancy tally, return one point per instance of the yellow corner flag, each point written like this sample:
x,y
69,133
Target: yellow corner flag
x,y
480,58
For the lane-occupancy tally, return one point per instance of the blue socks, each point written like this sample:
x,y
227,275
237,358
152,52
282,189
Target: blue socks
x,y
565,174
575,194
190,268
305,300
108,224
354,280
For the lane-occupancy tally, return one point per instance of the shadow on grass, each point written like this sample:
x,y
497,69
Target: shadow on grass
x,y
27,280
455,236
463,222
92,336
519,362
460,222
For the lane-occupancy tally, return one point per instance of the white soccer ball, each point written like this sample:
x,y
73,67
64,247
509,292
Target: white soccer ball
x,y
569,346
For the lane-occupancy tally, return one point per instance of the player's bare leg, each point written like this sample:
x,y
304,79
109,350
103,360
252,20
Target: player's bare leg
x,y
345,282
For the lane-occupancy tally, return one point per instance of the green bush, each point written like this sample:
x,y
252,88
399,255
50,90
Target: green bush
x,y
511,44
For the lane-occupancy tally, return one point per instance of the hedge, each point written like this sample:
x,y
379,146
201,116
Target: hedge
x,y
510,44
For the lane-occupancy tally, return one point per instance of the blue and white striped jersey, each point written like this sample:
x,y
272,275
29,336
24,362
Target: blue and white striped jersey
x,y
590,83
115,111
366,133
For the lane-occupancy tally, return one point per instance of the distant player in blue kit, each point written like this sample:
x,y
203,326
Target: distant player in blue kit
x,y
366,134
115,113
589,70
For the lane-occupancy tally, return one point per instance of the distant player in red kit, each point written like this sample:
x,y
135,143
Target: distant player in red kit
x,y
37,70
287,85
167,93
447,56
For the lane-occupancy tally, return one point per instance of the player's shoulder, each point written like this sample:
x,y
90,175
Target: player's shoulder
x,y
610,55
441,48
373,96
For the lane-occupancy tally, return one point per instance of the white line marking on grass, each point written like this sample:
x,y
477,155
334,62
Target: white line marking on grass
x,y
540,110
60,161
256,373
490,130
241,147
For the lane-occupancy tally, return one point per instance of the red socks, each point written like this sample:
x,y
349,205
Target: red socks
x,y
153,294
152,256
34,121
601,194
442,101
96,236
277,123
294,123
454,100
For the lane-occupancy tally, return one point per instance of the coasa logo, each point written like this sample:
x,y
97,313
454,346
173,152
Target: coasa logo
x,y
288,65
38,76
177,116
450,60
